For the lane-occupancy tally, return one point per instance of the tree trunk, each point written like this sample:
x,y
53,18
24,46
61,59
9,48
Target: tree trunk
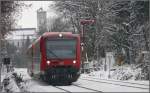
x,y
146,40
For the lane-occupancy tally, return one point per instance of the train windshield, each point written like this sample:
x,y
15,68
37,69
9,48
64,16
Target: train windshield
x,y
61,48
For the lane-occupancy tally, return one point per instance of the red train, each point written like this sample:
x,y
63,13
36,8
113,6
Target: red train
x,y
55,57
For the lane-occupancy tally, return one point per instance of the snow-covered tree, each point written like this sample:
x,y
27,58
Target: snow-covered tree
x,y
10,11
121,26
60,24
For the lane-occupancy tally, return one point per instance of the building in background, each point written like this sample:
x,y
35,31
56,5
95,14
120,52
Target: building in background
x,y
41,21
19,36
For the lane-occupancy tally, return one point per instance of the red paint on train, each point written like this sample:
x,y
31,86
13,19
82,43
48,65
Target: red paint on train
x,y
44,60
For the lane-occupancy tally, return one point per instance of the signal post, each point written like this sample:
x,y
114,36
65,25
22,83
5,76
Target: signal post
x,y
83,46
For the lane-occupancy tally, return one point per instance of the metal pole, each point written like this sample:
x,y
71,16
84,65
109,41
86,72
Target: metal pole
x,y
83,49
0,60
83,23
0,50
105,64
109,66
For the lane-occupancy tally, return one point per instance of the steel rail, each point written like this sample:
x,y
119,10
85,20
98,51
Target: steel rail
x,y
113,83
87,88
120,81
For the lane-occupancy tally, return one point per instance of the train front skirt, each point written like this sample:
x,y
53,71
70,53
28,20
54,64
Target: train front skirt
x,y
64,75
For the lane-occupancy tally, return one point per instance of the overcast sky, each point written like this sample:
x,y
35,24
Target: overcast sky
x,y
29,16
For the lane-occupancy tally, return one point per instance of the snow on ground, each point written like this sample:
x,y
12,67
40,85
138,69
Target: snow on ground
x,y
104,87
73,88
23,73
10,83
3,73
32,85
145,82
143,85
125,72
37,86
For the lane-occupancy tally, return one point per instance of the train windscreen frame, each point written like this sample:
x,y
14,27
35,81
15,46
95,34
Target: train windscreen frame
x,y
61,48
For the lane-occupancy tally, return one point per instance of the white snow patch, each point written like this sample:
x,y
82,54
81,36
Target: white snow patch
x,y
105,87
125,72
31,85
12,86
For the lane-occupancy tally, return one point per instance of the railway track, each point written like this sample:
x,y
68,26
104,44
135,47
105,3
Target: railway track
x,y
82,85
87,88
62,89
121,81
69,89
78,88
114,83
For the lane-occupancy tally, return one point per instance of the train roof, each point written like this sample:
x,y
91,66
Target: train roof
x,y
46,34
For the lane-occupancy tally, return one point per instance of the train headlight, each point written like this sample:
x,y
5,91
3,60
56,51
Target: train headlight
x,y
74,61
60,35
48,62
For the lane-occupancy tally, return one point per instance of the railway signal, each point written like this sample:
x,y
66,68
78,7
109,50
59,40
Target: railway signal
x,y
87,22
82,33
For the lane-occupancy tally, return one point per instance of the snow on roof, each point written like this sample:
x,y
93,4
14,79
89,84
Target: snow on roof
x,y
21,33
21,29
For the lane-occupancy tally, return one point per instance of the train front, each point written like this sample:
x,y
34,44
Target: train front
x,y
62,57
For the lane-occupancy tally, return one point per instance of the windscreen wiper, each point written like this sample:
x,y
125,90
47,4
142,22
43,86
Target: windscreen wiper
x,y
50,51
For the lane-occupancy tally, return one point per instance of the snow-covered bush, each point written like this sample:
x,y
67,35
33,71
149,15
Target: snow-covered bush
x,y
13,83
9,83
127,72
18,78
124,72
